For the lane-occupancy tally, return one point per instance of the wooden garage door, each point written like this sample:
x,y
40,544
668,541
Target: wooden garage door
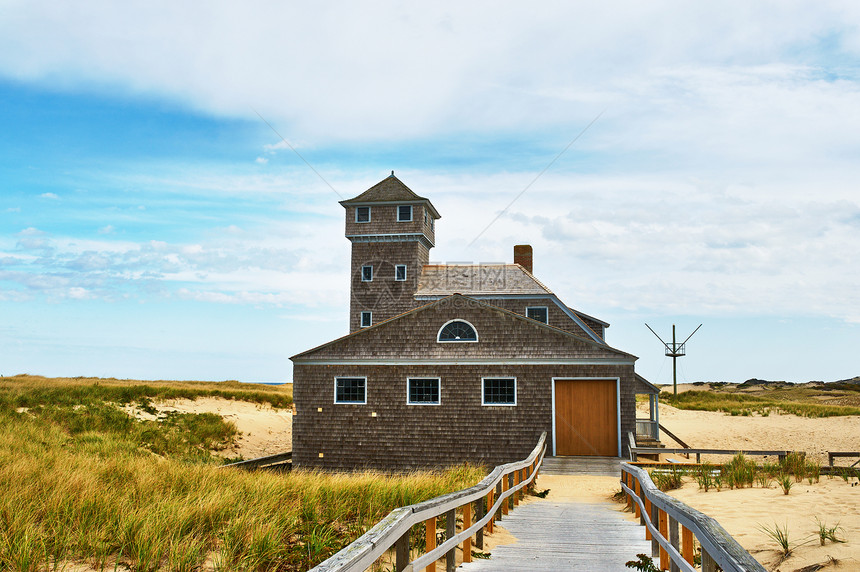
x,y
586,417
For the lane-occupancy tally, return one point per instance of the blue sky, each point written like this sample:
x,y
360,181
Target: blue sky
x,y
153,226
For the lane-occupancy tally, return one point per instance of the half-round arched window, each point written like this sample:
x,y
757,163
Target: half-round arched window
x,y
457,331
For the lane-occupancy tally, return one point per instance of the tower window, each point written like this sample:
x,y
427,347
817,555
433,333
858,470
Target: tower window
x,y
457,331
362,214
366,319
404,213
400,272
367,273
538,313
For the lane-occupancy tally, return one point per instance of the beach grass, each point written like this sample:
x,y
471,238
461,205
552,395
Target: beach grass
x,y
795,402
85,483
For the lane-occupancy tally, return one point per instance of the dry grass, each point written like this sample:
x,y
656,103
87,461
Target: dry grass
x,y
81,485
804,401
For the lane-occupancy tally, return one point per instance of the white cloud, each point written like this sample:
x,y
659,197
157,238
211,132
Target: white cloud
x,y
50,196
389,70
261,160
108,229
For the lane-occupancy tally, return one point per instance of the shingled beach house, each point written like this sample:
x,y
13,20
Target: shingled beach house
x,y
456,362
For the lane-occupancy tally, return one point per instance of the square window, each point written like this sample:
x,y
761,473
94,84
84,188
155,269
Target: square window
x,y
367,273
366,319
499,391
404,213
350,390
538,313
400,272
423,391
362,214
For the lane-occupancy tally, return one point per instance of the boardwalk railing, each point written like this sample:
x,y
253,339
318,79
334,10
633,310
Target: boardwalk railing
x,y
502,489
834,454
262,462
662,515
636,451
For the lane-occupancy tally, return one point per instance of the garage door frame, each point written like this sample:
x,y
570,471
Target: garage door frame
x,y
617,381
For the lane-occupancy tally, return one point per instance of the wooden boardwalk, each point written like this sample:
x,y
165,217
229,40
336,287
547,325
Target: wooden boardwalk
x,y
555,536
596,466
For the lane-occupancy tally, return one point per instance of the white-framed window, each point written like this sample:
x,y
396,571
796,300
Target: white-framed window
x,y
362,214
499,391
423,391
366,319
367,273
404,213
457,331
538,313
350,390
400,272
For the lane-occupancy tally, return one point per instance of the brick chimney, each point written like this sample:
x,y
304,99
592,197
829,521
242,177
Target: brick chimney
x,y
523,256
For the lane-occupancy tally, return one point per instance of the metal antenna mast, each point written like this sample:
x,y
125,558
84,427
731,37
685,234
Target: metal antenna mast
x,y
674,351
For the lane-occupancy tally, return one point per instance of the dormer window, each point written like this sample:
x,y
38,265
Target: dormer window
x,y
538,313
404,213
457,331
362,214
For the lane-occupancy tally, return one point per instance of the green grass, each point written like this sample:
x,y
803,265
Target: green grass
x,y
84,482
32,390
745,404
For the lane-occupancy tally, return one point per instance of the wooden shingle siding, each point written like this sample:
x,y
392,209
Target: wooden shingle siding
x,y
403,437
557,317
502,335
383,220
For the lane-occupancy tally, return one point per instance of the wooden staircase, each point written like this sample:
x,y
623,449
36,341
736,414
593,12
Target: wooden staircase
x,y
648,441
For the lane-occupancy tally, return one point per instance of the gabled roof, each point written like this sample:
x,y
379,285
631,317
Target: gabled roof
x,y
490,280
401,338
389,190
477,279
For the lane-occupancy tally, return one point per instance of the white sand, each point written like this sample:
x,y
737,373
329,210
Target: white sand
x,y
263,429
715,430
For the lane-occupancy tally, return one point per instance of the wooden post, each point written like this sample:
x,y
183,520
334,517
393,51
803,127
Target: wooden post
x,y
629,478
430,540
649,512
490,499
524,474
708,563
674,541
480,511
664,532
687,544
467,522
516,495
450,532
401,550
636,508
504,489
655,520
499,490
